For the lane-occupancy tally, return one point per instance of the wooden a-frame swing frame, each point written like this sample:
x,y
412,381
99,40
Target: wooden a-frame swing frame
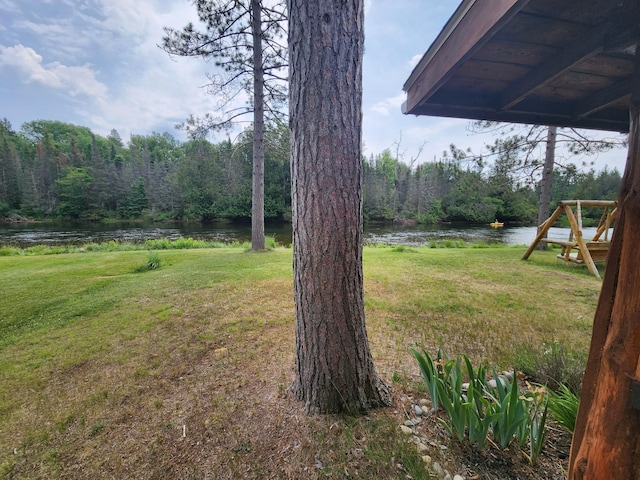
x,y
587,251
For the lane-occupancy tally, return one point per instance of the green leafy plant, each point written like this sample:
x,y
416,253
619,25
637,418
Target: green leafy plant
x,y
449,385
564,407
537,429
431,372
478,408
515,414
153,263
469,415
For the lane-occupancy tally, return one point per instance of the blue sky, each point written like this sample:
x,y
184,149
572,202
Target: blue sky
x,y
96,63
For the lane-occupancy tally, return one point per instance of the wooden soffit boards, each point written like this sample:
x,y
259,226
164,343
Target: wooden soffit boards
x,y
564,63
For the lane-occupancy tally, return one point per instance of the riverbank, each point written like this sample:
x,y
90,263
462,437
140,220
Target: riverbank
x,y
78,234
112,369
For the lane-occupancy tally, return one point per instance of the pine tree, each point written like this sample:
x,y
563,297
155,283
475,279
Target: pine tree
x,y
334,367
246,40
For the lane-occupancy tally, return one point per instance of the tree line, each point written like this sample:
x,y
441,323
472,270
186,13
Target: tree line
x,y
54,169
463,188
50,169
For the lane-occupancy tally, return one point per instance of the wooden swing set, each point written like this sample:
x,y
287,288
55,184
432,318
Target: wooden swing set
x,y
577,249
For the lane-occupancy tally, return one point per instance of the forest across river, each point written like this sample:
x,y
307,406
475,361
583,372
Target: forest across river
x,y
45,233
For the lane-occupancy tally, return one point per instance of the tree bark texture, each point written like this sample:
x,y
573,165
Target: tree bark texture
x,y
257,195
606,441
544,207
335,370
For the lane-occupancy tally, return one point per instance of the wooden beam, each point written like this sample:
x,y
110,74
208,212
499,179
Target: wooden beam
x,y
604,224
588,45
537,115
479,24
626,32
589,203
576,228
603,98
542,230
613,34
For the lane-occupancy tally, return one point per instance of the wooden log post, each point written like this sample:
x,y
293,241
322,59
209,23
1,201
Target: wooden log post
x,y
606,441
542,232
576,227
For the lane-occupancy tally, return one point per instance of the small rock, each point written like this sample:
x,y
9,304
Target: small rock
x,y
508,375
422,447
493,383
458,477
447,476
426,459
409,423
465,386
437,469
417,409
406,430
424,402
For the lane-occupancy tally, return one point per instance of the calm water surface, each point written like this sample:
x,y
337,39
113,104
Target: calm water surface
x,y
27,234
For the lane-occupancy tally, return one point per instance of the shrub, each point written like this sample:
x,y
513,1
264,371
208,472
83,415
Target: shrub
x,y
153,263
8,251
483,408
270,242
551,364
563,406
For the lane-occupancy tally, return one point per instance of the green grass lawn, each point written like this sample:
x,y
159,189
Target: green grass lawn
x,y
182,371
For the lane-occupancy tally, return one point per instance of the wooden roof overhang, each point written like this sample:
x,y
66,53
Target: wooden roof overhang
x,y
548,62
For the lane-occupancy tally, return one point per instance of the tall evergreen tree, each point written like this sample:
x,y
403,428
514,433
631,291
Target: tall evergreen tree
x,y
246,40
334,367
9,167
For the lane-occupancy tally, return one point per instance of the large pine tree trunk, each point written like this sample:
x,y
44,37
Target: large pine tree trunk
x,y
335,369
257,195
606,442
546,183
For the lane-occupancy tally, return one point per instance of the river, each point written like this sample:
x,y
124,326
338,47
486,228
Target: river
x,y
37,233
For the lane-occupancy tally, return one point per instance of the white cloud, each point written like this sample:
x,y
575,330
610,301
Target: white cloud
x,y
156,98
62,39
9,6
386,105
75,80
153,90
127,17
415,60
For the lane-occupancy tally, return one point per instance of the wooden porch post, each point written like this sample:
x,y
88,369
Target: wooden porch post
x,y
606,441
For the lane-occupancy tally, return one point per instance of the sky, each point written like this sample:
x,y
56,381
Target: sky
x,y
97,63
